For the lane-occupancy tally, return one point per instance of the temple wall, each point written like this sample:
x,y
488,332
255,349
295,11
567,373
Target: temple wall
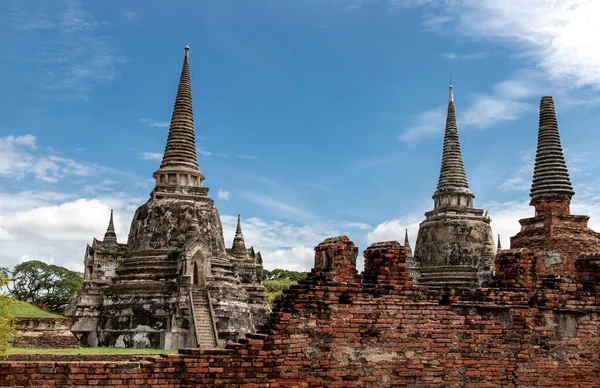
x,y
339,328
35,332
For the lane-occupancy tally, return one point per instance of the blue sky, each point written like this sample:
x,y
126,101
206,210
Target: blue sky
x,y
313,118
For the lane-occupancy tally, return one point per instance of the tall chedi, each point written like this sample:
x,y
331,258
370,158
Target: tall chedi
x,y
176,285
455,246
554,233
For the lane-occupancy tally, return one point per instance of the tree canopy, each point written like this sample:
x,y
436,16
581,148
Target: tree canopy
x,y
40,283
277,280
7,324
283,274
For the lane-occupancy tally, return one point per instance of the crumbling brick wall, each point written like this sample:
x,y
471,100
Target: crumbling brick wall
x,y
36,332
339,328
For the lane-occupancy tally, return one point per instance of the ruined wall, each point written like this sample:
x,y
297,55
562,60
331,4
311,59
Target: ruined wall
x,y
34,332
558,239
343,329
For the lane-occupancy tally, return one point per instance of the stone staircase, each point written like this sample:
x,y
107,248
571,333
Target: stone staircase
x,y
205,333
451,276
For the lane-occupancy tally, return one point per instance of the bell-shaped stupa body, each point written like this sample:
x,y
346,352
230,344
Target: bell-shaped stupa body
x,y
455,245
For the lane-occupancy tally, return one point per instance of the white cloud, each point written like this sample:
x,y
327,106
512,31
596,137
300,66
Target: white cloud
x,y
155,123
20,156
55,227
507,100
223,194
298,258
425,124
394,230
276,206
154,156
131,16
465,56
203,152
289,246
521,178
558,36
488,110
79,55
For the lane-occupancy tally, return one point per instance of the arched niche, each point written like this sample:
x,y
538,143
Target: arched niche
x,y
199,268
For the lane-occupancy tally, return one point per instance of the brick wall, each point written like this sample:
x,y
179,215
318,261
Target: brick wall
x,y
34,332
343,329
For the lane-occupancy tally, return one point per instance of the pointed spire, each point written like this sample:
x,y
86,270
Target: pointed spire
x,y
407,244
110,236
452,173
499,243
239,246
181,145
550,174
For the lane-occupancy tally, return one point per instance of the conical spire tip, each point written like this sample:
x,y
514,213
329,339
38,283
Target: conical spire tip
x,y
239,226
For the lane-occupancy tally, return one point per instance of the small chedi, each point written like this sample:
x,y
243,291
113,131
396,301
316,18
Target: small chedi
x,y
455,245
174,284
554,248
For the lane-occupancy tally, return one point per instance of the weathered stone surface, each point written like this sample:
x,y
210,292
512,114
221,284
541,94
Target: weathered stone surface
x,y
550,174
372,332
174,284
455,246
557,236
35,332
455,252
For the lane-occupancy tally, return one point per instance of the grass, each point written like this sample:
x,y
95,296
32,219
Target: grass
x,y
90,351
25,309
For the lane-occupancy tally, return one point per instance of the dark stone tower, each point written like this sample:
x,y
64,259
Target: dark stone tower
x,y
455,246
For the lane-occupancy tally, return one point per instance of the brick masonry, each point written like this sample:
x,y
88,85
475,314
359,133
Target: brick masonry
x,y
34,332
339,328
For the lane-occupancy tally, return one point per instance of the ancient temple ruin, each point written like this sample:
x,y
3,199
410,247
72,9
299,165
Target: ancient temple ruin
x,y
557,236
174,284
536,325
455,246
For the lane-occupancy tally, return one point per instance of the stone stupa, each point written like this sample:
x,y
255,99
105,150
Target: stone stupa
x,y
174,284
455,245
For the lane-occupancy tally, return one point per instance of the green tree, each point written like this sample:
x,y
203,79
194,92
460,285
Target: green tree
x,y
40,283
7,321
277,280
283,274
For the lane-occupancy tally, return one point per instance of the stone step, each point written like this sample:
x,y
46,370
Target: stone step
x,y
165,269
137,262
143,277
444,277
203,324
150,252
